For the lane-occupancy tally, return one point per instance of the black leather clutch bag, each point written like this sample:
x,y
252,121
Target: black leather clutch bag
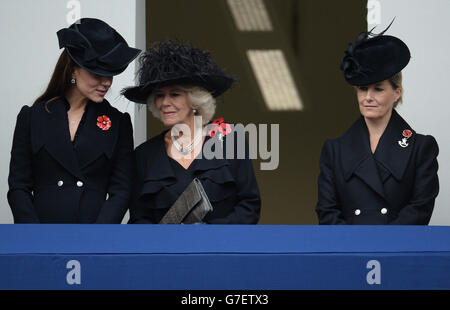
x,y
191,207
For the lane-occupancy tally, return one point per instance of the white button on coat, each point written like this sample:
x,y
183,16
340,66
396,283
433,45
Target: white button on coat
x,y
357,212
79,183
60,183
384,211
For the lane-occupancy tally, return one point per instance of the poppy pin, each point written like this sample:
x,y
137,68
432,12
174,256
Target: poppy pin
x,y
103,122
220,128
406,135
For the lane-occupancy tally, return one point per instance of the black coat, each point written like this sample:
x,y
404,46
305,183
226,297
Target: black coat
x,y
230,185
395,185
50,181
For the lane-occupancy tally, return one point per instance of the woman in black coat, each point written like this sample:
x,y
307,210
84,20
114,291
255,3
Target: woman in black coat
x,y
380,171
71,158
179,84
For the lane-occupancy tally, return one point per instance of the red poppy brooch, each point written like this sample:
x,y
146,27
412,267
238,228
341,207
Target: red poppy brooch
x,y
219,128
406,135
103,122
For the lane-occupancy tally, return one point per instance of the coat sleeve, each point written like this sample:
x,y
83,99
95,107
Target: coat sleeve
x,y
248,207
119,185
328,208
20,178
419,209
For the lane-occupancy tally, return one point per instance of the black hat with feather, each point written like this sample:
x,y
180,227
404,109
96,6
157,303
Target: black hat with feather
x,y
172,63
373,58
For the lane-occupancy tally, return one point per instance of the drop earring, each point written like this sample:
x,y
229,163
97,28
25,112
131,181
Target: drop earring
x,y
195,111
73,81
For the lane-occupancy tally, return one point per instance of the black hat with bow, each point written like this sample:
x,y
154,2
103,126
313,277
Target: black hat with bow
x,y
172,63
373,58
95,46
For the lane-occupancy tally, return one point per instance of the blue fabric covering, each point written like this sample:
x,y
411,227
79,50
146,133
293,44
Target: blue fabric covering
x,y
183,257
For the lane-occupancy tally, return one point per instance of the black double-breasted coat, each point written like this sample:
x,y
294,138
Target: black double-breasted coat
x,y
230,185
394,185
55,180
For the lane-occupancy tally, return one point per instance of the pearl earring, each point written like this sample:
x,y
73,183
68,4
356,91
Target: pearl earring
x,y
73,81
195,111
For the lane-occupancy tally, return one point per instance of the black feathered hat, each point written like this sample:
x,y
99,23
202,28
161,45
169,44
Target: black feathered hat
x,y
95,46
374,58
172,63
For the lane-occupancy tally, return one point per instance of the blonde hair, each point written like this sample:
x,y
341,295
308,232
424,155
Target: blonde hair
x,y
396,82
198,98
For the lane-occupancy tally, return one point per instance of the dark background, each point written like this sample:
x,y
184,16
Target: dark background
x,y
313,36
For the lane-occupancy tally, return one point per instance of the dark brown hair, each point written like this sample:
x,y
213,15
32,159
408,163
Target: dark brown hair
x,y
60,82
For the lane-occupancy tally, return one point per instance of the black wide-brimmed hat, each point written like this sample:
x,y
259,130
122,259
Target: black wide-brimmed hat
x,y
95,46
173,63
373,58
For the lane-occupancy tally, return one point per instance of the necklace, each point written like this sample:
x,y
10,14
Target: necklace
x,y
72,123
190,147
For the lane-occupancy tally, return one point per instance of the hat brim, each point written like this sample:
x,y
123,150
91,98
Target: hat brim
x,y
215,84
128,56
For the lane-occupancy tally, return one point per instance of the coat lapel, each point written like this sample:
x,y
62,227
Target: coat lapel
x,y
157,164
95,141
389,154
57,136
357,157
368,172
203,163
